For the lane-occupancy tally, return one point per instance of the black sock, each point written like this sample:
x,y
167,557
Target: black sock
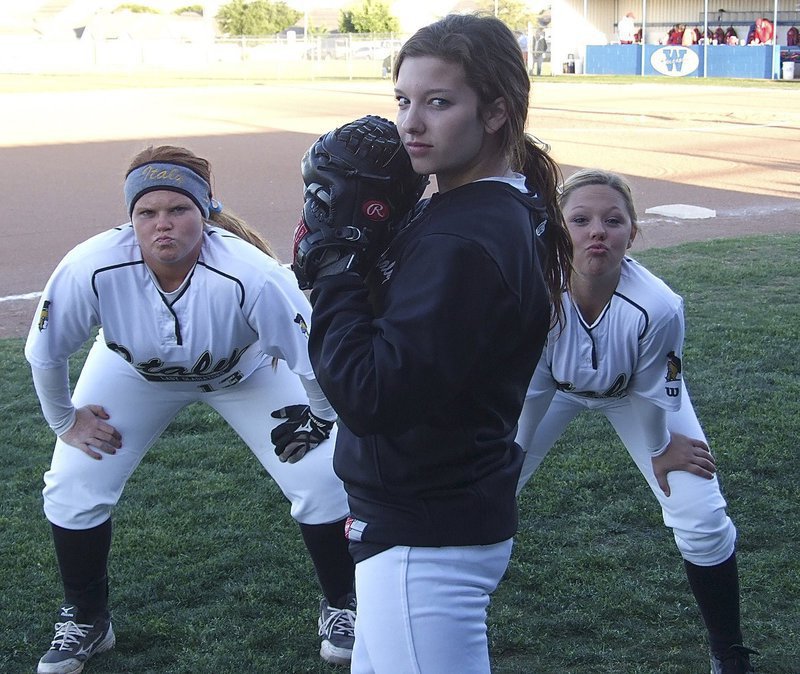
x,y
83,563
716,589
329,552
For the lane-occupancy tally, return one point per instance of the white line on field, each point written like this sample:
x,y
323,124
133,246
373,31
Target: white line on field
x,y
666,129
26,296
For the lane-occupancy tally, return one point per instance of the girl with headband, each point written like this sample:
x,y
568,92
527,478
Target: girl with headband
x,y
192,306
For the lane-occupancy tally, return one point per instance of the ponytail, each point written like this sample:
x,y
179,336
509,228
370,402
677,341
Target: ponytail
x,y
543,176
235,225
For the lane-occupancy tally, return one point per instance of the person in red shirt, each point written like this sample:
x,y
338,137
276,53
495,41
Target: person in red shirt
x,y
676,34
764,30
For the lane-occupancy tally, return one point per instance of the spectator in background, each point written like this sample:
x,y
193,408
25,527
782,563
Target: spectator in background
x,y
676,34
539,49
522,41
690,36
388,65
764,31
626,29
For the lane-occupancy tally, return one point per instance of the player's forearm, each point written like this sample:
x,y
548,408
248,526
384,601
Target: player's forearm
x,y
320,407
52,387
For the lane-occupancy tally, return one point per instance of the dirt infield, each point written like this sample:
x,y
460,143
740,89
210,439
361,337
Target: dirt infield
x,y
65,145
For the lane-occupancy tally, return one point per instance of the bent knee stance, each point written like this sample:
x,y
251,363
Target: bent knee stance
x,y
67,508
707,547
80,492
696,513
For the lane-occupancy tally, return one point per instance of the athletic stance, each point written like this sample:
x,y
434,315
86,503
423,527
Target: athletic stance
x,y
426,353
189,311
619,352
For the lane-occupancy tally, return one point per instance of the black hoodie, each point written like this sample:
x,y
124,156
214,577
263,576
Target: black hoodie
x,y
427,365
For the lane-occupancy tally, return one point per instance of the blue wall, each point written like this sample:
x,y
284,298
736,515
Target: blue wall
x,y
614,59
741,61
754,61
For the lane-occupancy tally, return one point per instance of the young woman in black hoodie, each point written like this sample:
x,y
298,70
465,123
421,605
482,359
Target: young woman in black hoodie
x,y
428,358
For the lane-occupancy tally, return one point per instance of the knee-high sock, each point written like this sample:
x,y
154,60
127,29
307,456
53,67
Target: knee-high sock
x,y
328,548
716,589
83,562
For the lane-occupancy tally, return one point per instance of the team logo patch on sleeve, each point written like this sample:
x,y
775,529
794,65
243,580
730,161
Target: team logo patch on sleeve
x,y
44,316
673,367
302,323
673,375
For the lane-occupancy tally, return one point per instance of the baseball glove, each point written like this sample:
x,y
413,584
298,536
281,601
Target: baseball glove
x,y
359,184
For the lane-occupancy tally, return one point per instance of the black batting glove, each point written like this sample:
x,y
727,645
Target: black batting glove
x,y
299,434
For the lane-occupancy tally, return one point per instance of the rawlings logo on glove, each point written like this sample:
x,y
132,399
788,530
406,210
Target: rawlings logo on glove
x,y
377,211
359,184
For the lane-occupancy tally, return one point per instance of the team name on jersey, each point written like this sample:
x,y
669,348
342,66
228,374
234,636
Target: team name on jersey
x,y
617,390
205,368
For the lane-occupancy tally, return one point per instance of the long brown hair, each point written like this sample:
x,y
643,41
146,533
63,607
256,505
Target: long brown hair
x,y
173,154
494,67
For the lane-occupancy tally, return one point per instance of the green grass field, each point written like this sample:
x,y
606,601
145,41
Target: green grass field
x,y
208,573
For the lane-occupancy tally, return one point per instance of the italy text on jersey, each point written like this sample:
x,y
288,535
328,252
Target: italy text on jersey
x,y
205,368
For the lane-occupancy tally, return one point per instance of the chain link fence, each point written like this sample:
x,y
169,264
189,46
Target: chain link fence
x,y
340,56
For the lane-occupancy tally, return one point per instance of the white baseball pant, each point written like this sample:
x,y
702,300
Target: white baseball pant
x,y
695,510
80,492
423,610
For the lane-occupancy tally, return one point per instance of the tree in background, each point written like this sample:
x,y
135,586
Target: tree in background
x,y
371,17
516,14
136,9
259,17
189,9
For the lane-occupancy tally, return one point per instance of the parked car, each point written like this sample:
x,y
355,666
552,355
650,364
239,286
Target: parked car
x,y
374,50
327,47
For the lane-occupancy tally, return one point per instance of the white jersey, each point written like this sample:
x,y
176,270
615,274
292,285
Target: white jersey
x,y
627,366
235,309
212,340
634,346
